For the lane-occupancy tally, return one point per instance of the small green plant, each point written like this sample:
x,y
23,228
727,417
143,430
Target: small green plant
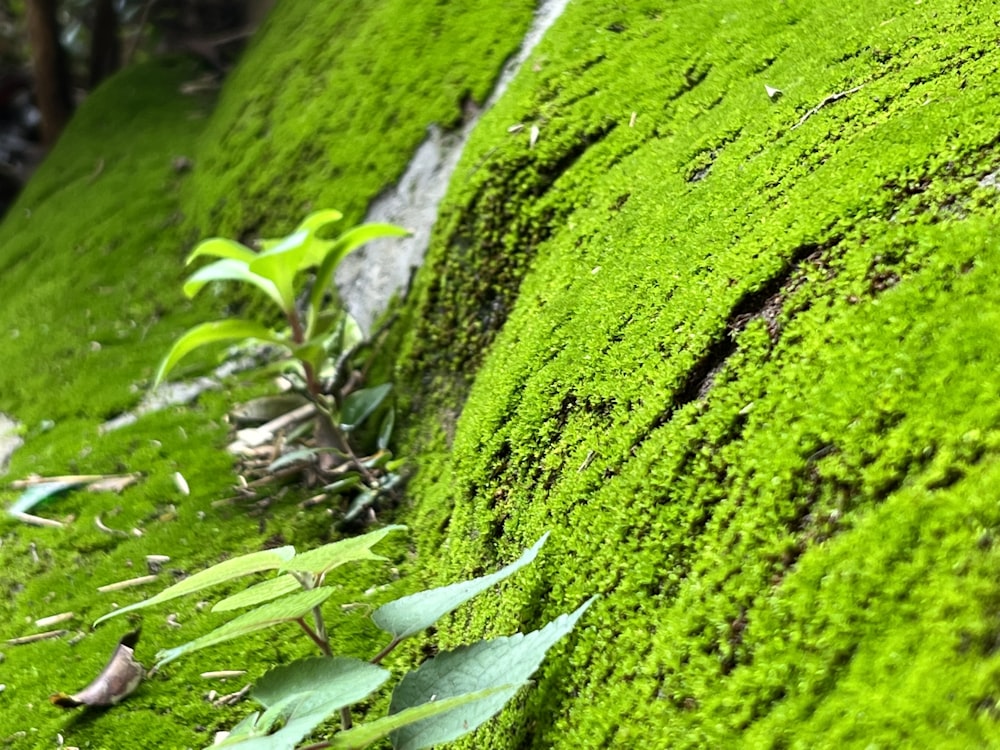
x,y
317,340
446,697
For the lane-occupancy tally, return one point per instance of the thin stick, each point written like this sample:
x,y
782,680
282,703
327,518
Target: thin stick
x,y
44,622
137,37
37,637
37,520
828,100
119,585
386,651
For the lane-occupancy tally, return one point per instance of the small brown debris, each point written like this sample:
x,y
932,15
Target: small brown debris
x,y
119,679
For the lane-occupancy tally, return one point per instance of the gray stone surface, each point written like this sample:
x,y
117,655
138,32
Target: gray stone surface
x,y
368,278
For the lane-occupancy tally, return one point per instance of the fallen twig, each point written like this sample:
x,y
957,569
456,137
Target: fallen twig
x,y
119,585
44,622
37,520
828,100
37,637
232,698
107,529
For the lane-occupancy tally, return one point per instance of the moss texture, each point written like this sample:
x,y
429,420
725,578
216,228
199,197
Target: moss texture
x,y
91,270
736,352
743,365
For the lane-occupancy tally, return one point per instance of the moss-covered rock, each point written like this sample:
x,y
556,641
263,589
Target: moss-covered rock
x,y
736,351
743,367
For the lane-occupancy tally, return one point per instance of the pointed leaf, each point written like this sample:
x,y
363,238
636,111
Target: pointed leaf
x,y
323,559
229,269
385,429
339,248
319,219
344,483
219,247
317,247
259,593
287,609
237,567
412,614
280,263
334,682
300,455
508,661
37,493
365,734
280,727
360,404
210,333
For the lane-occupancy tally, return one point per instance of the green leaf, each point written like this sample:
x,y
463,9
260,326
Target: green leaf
x,y
318,219
287,609
259,593
218,247
280,727
300,696
209,333
280,264
344,483
334,682
508,661
229,269
336,252
38,493
317,247
385,429
301,455
363,735
323,559
412,614
360,404
237,567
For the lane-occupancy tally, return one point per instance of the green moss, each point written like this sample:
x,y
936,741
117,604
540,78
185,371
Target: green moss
x,y
332,99
748,379
91,269
744,368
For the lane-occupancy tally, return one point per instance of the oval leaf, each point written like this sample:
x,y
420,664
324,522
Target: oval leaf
x,y
416,612
360,404
209,333
237,567
337,250
323,559
333,682
279,265
219,247
287,609
229,269
508,661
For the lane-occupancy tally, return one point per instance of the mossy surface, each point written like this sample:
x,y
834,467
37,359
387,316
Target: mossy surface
x,y
90,272
743,365
736,353
334,97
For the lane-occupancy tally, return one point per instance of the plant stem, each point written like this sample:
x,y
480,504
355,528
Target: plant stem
x,y
323,645
321,632
386,651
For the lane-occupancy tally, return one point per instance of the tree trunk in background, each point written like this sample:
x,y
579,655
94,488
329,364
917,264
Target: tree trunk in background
x,y
105,47
52,82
